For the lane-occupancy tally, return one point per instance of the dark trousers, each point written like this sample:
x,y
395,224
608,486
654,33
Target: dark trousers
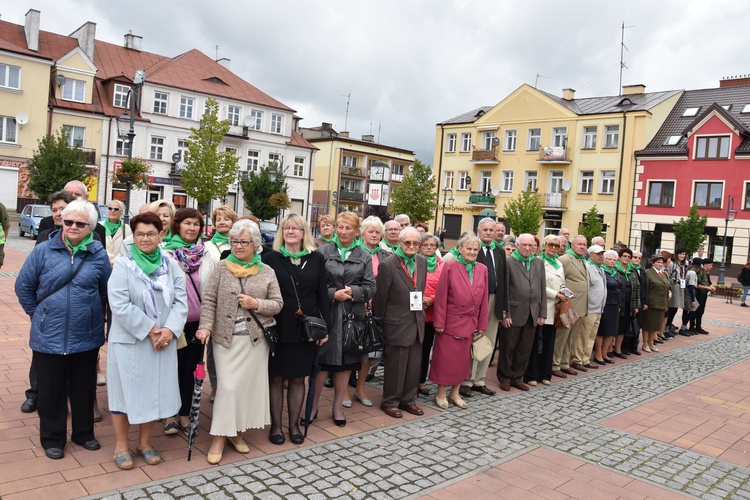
x,y
542,351
671,313
187,359
32,391
401,374
63,377
702,299
429,339
515,349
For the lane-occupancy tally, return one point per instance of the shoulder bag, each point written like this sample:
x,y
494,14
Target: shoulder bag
x,y
481,347
565,314
351,333
372,333
314,327
269,332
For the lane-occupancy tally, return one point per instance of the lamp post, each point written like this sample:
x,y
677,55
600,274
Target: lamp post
x,y
450,204
731,214
273,174
138,81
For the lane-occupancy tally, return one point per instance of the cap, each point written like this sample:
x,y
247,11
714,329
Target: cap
x,y
697,261
708,261
679,250
596,249
657,256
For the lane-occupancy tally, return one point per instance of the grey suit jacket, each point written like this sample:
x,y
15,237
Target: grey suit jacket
x,y
577,279
401,327
527,291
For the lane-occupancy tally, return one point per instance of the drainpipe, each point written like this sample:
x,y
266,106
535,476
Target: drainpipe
x,y
439,176
309,185
622,166
106,163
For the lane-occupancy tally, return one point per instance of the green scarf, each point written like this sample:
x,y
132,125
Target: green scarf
x,y
431,262
491,245
219,239
607,270
327,240
469,265
176,242
633,266
552,261
371,252
82,245
148,262
255,260
626,272
411,263
570,251
521,258
111,227
295,256
501,244
454,251
392,247
167,237
345,250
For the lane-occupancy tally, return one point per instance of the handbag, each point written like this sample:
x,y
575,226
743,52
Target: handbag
x,y
565,315
352,333
481,347
269,332
314,328
372,333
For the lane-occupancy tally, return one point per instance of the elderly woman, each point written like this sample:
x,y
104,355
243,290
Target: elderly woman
x,y
58,201
116,230
62,286
149,308
460,304
539,368
691,298
630,299
677,270
166,212
187,248
327,229
630,344
609,322
509,247
301,274
428,247
351,284
240,288
656,303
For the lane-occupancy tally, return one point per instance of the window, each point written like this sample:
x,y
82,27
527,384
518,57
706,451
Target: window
x,y
556,181
253,160
607,182
350,161
160,103
661,193
535,139
586,185
448,180
530,180
76,135
122,147
747,196
186,107
510,140
465,142
690,111
299,166
398,172
672,140
74,90
485,181
507,181
157,148
745,108
708,194
179,200
274,159
277,123
352,186
559,136
463,180
7,129
451,143
611,136
10,76
122,94
233,115
182,148
589,138
257,117
712,148
488,139
232,150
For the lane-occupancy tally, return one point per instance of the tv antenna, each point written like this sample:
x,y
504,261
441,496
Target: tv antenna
x,y
623,48
538,76
346,119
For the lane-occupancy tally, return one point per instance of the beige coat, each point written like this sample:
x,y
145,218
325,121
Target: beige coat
x,y
555,280
114,243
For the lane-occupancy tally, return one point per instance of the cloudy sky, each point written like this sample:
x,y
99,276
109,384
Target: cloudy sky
x,y
410,64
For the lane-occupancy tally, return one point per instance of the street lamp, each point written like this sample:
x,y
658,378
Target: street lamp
x,y
450,204
273,174
731,214
138,81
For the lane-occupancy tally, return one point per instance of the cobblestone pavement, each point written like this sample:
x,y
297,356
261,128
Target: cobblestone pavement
x,y
423,455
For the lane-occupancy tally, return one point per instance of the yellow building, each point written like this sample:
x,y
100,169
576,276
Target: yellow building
x,y
574,153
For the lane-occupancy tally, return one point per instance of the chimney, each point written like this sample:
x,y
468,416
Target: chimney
x,y
86,36
225,61
133,42
31,29
569,94
368,138
638,88
734,81
344,134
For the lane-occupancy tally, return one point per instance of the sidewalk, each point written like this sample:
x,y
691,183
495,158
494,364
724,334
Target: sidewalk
x,y
665,425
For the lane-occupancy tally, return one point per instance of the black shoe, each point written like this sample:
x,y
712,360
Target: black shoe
x,y
610,354
302,420
602,362
743,305
54,453
340,423
276,438
29,406
328,383
423,392
610,361
701,331
353,379
621,355
637,353
684,332
658,341
297,438
626,352
92,445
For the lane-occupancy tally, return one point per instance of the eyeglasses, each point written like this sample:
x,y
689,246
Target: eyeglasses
x,y
410,243
113,209
553,245
293,229
240,243
79,225
146,236
429,245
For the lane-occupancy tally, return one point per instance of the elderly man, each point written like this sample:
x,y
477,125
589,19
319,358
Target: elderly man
x,y
584,344
399,301
403,220
577,280
492,256
527,310
79,190
598,240
500,233
565,240
701,293
390,242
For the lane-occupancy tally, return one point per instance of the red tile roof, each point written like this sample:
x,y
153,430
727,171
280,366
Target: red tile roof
x,y
298,140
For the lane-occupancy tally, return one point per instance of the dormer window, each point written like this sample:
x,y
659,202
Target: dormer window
x,y
672,140
690,111
745,108
121,96
74,90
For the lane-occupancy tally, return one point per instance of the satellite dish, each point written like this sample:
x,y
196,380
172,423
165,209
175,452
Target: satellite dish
x,y
60,80
495,141
249,122
566,184
495,190
22,118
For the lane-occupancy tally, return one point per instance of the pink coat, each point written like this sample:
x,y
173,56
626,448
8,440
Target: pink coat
x,y
460,306
431,288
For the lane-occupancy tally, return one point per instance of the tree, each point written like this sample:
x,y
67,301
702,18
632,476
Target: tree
x,y
592,225
416,196
689,232
54,163
524,214
209,172
258,190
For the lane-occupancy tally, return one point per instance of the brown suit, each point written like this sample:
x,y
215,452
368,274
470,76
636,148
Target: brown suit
x,y
403,329
577,280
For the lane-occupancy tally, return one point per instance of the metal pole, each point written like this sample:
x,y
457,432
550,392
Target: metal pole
x,y
724,253
131,136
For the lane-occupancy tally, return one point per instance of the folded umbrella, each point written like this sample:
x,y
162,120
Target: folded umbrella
x,y
311,391
195,406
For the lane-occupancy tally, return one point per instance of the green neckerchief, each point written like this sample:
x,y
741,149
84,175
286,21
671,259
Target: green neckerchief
x,y
501,244
176,242
345,250
570,251
82,245
411,263
148,262
392,247
167,237
609,271
626,272
454,251
243,263
295,256
327,240
431,262
491,245
552,261
637,268
469,265
371,252
111,227
219,239
521,258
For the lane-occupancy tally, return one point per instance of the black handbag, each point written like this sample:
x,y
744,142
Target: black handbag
x,y
351,334
315,328
372,333
269,332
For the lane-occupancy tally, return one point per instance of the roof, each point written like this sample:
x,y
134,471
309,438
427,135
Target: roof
x,y
468,117
613,104
707,101
298,140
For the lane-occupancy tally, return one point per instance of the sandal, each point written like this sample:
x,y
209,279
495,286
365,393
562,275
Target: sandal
x,y
123,460
459,402
441,403
151,456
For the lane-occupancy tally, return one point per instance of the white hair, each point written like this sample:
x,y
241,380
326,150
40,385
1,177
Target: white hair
x,y
374,221
468,238
407,230
611,253
84,208
401,217
120,205
250,227
78,184
485,221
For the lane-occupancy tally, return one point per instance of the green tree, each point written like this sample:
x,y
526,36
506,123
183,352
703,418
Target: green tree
x,y
416,196
689,232
592,226
524,213
54,163
257,190
209,172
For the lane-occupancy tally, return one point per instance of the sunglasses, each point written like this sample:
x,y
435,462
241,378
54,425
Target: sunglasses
x,y
79,225
553,245
113,209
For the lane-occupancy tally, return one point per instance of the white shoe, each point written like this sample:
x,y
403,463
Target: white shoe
x,y
646,348
347,403
654,349
101,379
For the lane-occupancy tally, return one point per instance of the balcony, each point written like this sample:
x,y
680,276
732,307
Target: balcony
x,y
352,171
481,198
88,155
554,155
484,156
554,200
238,131
351,195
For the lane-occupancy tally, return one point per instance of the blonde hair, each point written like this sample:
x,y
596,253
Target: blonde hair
x,y
307,241
224,210
325,218
155,206
350,218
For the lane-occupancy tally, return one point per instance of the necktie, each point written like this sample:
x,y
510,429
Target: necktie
x,y
491,276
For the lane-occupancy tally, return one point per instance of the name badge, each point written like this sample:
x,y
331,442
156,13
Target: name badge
x,y
682,283
415,301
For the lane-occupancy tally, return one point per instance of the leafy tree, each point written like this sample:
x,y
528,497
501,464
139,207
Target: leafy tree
x,y
524,214
55,163
592,226
209,172
257,189
416,196
690,232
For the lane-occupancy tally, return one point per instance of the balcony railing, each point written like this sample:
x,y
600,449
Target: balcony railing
x,y
88,155
237,130
480,197
484,155
553,200
351,195
353,171
553,154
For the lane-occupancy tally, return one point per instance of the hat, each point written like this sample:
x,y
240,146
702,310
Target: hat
x,y
697,261
679,250
657,256
708,261
596,249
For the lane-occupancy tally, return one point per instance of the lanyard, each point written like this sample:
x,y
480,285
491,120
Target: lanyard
x,y
414,279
